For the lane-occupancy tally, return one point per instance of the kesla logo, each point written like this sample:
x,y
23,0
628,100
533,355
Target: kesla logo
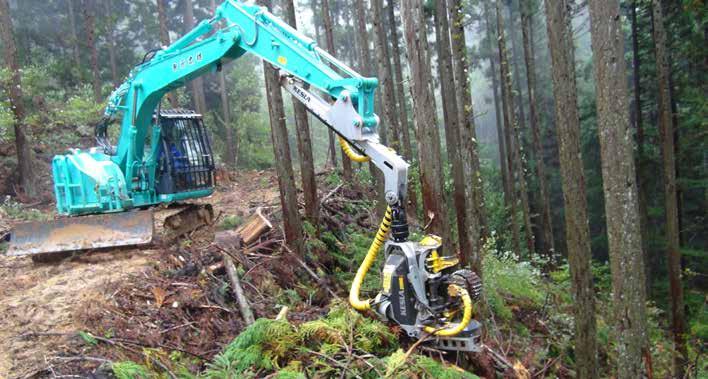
x,y
190,60
302,94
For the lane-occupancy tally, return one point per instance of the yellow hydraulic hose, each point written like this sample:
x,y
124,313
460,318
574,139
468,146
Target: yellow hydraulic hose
x,y
364,305
353,155
456,290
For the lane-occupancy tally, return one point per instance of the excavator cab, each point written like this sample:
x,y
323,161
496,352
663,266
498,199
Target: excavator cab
x,y
185,159
184,166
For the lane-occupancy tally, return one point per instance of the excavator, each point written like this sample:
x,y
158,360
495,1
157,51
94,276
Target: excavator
x,y
113,194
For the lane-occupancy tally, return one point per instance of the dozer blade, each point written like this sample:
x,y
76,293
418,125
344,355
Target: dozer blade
x,y
82,233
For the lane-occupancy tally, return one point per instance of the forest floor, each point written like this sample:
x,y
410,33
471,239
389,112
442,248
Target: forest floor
x,y
170,308
43,306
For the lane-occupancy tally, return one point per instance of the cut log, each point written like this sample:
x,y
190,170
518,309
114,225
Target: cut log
x,y
283,314
243,305
254,227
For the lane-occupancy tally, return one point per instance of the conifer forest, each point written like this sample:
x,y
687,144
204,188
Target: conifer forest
x,y
353,189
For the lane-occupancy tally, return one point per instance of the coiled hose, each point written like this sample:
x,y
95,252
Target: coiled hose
x,y
359,304
353,155
455,290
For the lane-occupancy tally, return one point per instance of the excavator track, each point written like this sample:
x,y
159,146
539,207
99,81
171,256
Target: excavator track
x,y
58,239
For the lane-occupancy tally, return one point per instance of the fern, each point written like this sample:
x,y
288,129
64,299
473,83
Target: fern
x,y
130,370
260,346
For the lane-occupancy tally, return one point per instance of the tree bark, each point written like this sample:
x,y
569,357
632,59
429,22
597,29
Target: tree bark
x,y
367,70
292,224
25,156
402,99
111,39
74,39
385,76
518,152
667,127
231,141
307,163
515,55
474,194
560,43
640,164
452,128
509,127
329,38
89,9
165,40
399,79
197,83
424,119
546,240
497,109
619,184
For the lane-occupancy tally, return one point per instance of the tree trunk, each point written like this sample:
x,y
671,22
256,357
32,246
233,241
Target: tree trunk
x,y
424,119
25,157
620,187
366,70
399,79
546,240
74,39
640,164
385,76
89,9
560,43
111,39
231,141
402,100
197,84
474,195
667,126
292,224
452,128
307,163
515,54
519,125
165,41
497,109
329,38
509,127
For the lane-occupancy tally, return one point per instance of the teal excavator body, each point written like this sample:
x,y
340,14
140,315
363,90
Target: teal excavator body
x,y
133,172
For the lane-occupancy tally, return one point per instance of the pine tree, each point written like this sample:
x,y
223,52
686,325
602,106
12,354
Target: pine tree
x,y
25,156
292,224
429,149
560,43
673,244
619,184
304,143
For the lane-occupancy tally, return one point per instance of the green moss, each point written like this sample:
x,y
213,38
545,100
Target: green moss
x,y
419,366
230,222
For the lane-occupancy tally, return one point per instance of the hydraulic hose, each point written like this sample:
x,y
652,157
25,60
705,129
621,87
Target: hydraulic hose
x,y
456,290
353,155
359,304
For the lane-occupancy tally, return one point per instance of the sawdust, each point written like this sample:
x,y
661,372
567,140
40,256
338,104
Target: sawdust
x,y
38,302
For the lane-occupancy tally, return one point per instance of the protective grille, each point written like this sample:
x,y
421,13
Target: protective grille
x,y
186,151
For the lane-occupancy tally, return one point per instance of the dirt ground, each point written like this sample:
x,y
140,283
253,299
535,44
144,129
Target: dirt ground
x,y
40,303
